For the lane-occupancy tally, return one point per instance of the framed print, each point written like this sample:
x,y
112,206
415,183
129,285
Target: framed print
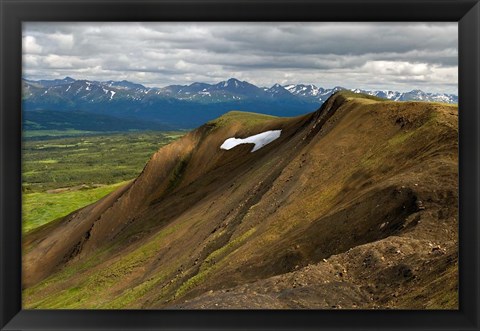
x,y
239,165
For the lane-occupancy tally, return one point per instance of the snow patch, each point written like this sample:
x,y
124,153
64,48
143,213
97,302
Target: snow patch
x,y
112,94
259,140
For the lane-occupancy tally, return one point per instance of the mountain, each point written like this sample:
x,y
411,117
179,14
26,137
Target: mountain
x,y
188,106
310,91
351,206
417,95
278,91
53,82
238,88
230,90
174,106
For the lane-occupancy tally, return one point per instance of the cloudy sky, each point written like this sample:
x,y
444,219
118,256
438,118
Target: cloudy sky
x,y
398,56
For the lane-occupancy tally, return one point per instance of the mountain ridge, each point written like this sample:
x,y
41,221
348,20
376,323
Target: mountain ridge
x,y
244,88
350,196
188,106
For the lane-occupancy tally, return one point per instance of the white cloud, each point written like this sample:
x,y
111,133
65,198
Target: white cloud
x,y
400,56
181,65
62,41
397,68
56,61
30,60
30,46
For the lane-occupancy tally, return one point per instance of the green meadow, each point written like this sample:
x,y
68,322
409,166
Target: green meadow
x,y
60,175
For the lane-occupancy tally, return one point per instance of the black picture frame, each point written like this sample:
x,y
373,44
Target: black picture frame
x,y
14,12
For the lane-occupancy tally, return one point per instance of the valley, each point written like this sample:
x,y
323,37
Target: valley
x,y
62,174
351,206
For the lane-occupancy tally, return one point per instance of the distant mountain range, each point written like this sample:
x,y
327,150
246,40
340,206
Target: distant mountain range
x,y
185,106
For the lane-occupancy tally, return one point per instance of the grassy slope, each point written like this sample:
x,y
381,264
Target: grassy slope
x,y
371,165
42,207
341,179
245,118
89,289
274,233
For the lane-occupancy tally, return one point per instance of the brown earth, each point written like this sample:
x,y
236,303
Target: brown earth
x,y
354,206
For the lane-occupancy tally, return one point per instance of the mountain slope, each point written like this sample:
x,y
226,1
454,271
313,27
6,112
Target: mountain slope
x,y
353,206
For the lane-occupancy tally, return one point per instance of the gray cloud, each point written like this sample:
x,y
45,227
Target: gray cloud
x,y
400,56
